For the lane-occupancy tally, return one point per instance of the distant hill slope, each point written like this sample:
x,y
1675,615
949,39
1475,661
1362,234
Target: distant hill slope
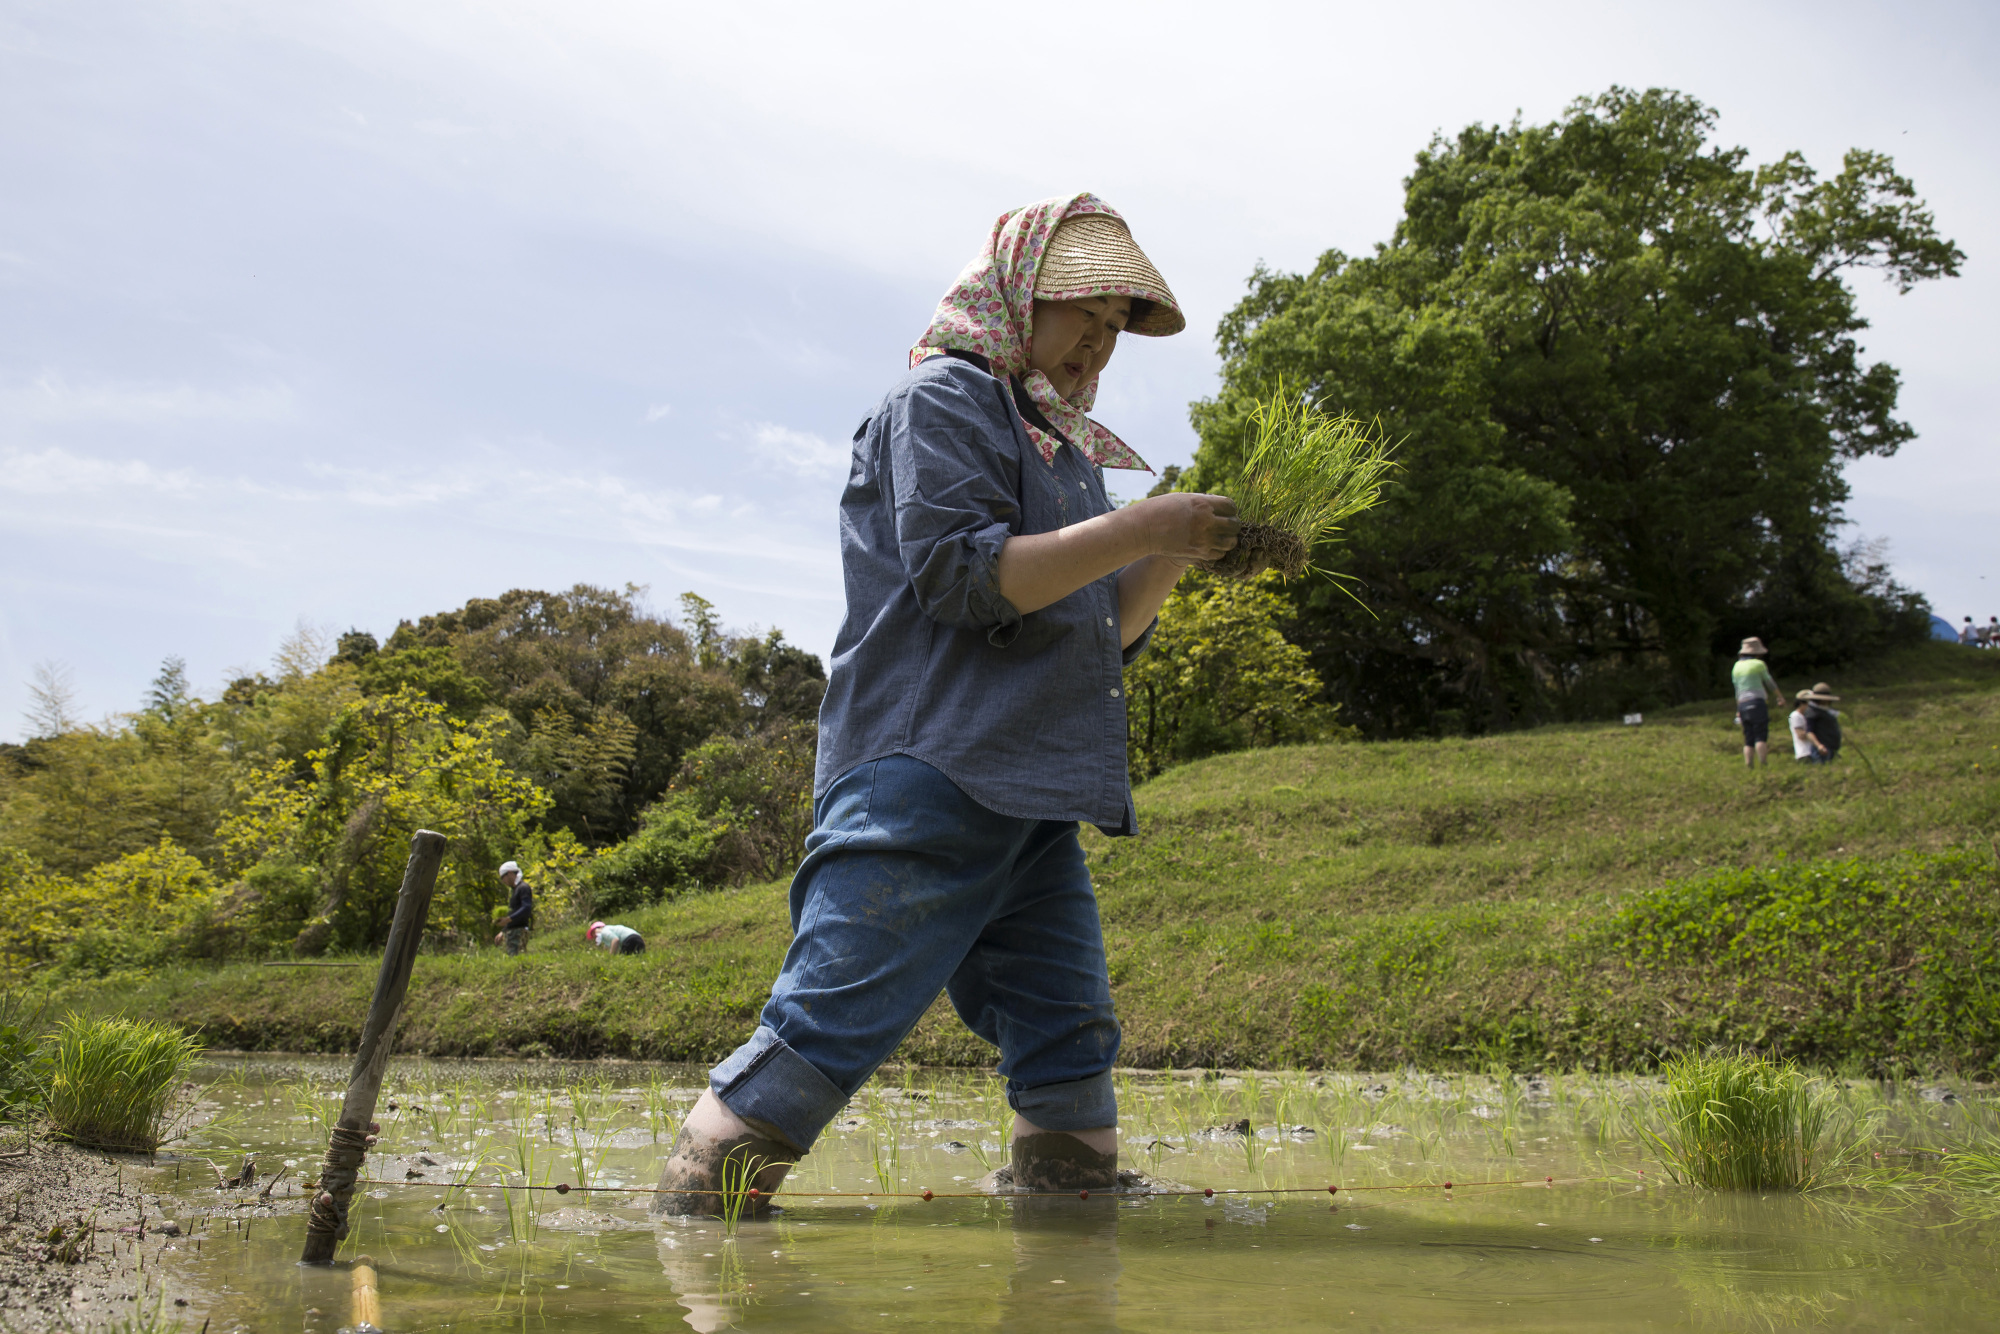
x,y
1543,897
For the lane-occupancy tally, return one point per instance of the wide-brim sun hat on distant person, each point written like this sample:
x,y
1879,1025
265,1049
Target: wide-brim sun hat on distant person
x,y
590,932
1821,693
1753,647
505,867
1087,250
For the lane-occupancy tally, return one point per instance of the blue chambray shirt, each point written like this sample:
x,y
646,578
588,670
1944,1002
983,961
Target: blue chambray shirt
x,y
1025,713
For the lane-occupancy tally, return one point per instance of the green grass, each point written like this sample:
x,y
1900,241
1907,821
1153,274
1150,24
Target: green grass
x,y
1543,899
111,1082
1736,1121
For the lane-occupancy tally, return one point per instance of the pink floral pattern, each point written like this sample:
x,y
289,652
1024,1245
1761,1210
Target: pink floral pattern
x,y
990,310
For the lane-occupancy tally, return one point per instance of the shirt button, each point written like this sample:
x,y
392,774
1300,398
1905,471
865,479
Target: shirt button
x,y
1114,692
1107,620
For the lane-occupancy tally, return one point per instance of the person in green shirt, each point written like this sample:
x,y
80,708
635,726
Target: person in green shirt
x,y
1756,694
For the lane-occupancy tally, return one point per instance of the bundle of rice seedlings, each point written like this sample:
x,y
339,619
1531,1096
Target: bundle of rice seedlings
x,y
1736,1121
1309,471
111,1081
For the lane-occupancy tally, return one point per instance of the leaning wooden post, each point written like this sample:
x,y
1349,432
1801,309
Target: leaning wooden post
x,y
326,1222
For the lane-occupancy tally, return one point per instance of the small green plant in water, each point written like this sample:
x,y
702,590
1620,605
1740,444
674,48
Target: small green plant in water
x,y
110,1082
739,1180
1737,1121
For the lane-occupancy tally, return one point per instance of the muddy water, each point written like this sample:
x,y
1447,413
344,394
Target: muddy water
x,y
1608,1244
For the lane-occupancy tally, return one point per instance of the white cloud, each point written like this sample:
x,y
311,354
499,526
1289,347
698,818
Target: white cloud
x,y
57,472
52,398
659,411
806,454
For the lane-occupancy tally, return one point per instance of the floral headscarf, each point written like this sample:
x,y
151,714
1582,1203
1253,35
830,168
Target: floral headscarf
x,y
991,308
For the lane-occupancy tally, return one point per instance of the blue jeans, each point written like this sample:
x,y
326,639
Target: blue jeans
x,y
908,887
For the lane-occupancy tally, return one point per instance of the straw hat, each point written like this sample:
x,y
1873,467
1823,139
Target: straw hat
x,y
1754,647
1821,693
1090,253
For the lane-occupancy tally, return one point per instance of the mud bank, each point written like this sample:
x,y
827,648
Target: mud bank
x,y
84,1246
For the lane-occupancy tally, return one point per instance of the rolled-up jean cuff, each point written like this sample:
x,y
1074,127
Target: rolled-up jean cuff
x,y
1075,1104
765,1080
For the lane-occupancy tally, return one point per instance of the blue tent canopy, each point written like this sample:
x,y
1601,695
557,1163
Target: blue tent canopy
x,y
1943,629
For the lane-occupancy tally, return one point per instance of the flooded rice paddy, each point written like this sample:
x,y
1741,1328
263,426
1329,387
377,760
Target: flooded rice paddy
x,y
1558,1217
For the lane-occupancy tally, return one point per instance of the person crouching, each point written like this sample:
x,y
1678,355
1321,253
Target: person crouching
x,y
615,939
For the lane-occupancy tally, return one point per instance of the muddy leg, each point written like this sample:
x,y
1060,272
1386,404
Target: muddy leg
x,y
1061,1160
692,1180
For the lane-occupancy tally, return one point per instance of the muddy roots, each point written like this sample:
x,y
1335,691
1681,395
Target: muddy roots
x,y
1261,547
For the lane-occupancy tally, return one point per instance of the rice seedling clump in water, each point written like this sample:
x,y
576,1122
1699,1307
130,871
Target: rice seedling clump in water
x,y
1309,472
1736,1121
111,1081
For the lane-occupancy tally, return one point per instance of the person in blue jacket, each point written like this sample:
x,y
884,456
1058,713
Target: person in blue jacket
x,y
974,716
520,909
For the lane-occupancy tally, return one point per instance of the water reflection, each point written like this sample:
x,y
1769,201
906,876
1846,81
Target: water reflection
x,y
1066,1268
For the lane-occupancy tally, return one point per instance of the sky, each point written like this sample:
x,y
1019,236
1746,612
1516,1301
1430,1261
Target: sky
x,y
334,315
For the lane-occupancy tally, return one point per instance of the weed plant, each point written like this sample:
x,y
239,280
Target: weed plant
x,y
1738,1121
111,1082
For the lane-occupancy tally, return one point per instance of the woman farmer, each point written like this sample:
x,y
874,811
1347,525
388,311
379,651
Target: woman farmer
x,y
973,717
1756,693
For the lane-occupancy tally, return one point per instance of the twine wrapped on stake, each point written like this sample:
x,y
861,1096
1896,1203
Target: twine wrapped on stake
x,y
354,1133
1309,471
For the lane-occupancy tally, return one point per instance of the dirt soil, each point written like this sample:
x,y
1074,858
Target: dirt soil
x,y
1260,547
82,1242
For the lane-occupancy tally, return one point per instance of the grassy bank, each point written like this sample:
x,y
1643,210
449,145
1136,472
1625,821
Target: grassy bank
x,y
1588,894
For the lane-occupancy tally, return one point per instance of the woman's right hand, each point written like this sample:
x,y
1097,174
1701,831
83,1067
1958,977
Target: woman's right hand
x,y
1190,526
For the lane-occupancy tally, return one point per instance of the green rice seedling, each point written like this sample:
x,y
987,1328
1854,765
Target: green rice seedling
x,y
1309,471
1250,1100
1737,1121
739,1176
662,1112
111,1082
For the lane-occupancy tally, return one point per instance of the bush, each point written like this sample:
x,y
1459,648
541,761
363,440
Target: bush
x,y
1218,676
674,848
1891,958
739,810
110,1082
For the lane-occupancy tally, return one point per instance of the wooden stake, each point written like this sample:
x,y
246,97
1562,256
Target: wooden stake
x,y
326,1220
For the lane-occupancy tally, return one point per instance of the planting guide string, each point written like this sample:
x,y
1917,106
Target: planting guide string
x,y
564,1188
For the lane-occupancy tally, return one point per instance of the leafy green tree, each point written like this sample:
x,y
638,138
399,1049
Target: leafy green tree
x,y
391,765
1220,675
617,674
93,794
1623,367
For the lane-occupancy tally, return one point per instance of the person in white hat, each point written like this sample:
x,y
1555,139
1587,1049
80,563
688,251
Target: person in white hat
x,y
520,918
974,715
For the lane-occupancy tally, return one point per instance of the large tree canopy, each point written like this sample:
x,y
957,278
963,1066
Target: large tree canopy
x,y
1623,369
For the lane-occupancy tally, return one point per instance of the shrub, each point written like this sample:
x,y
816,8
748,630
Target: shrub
x,y
1891,957
673,848
1219,676
1741,1122
109,1082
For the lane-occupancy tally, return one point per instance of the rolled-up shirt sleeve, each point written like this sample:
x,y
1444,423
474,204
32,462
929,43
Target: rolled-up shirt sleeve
x,y
955,476
1132,650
